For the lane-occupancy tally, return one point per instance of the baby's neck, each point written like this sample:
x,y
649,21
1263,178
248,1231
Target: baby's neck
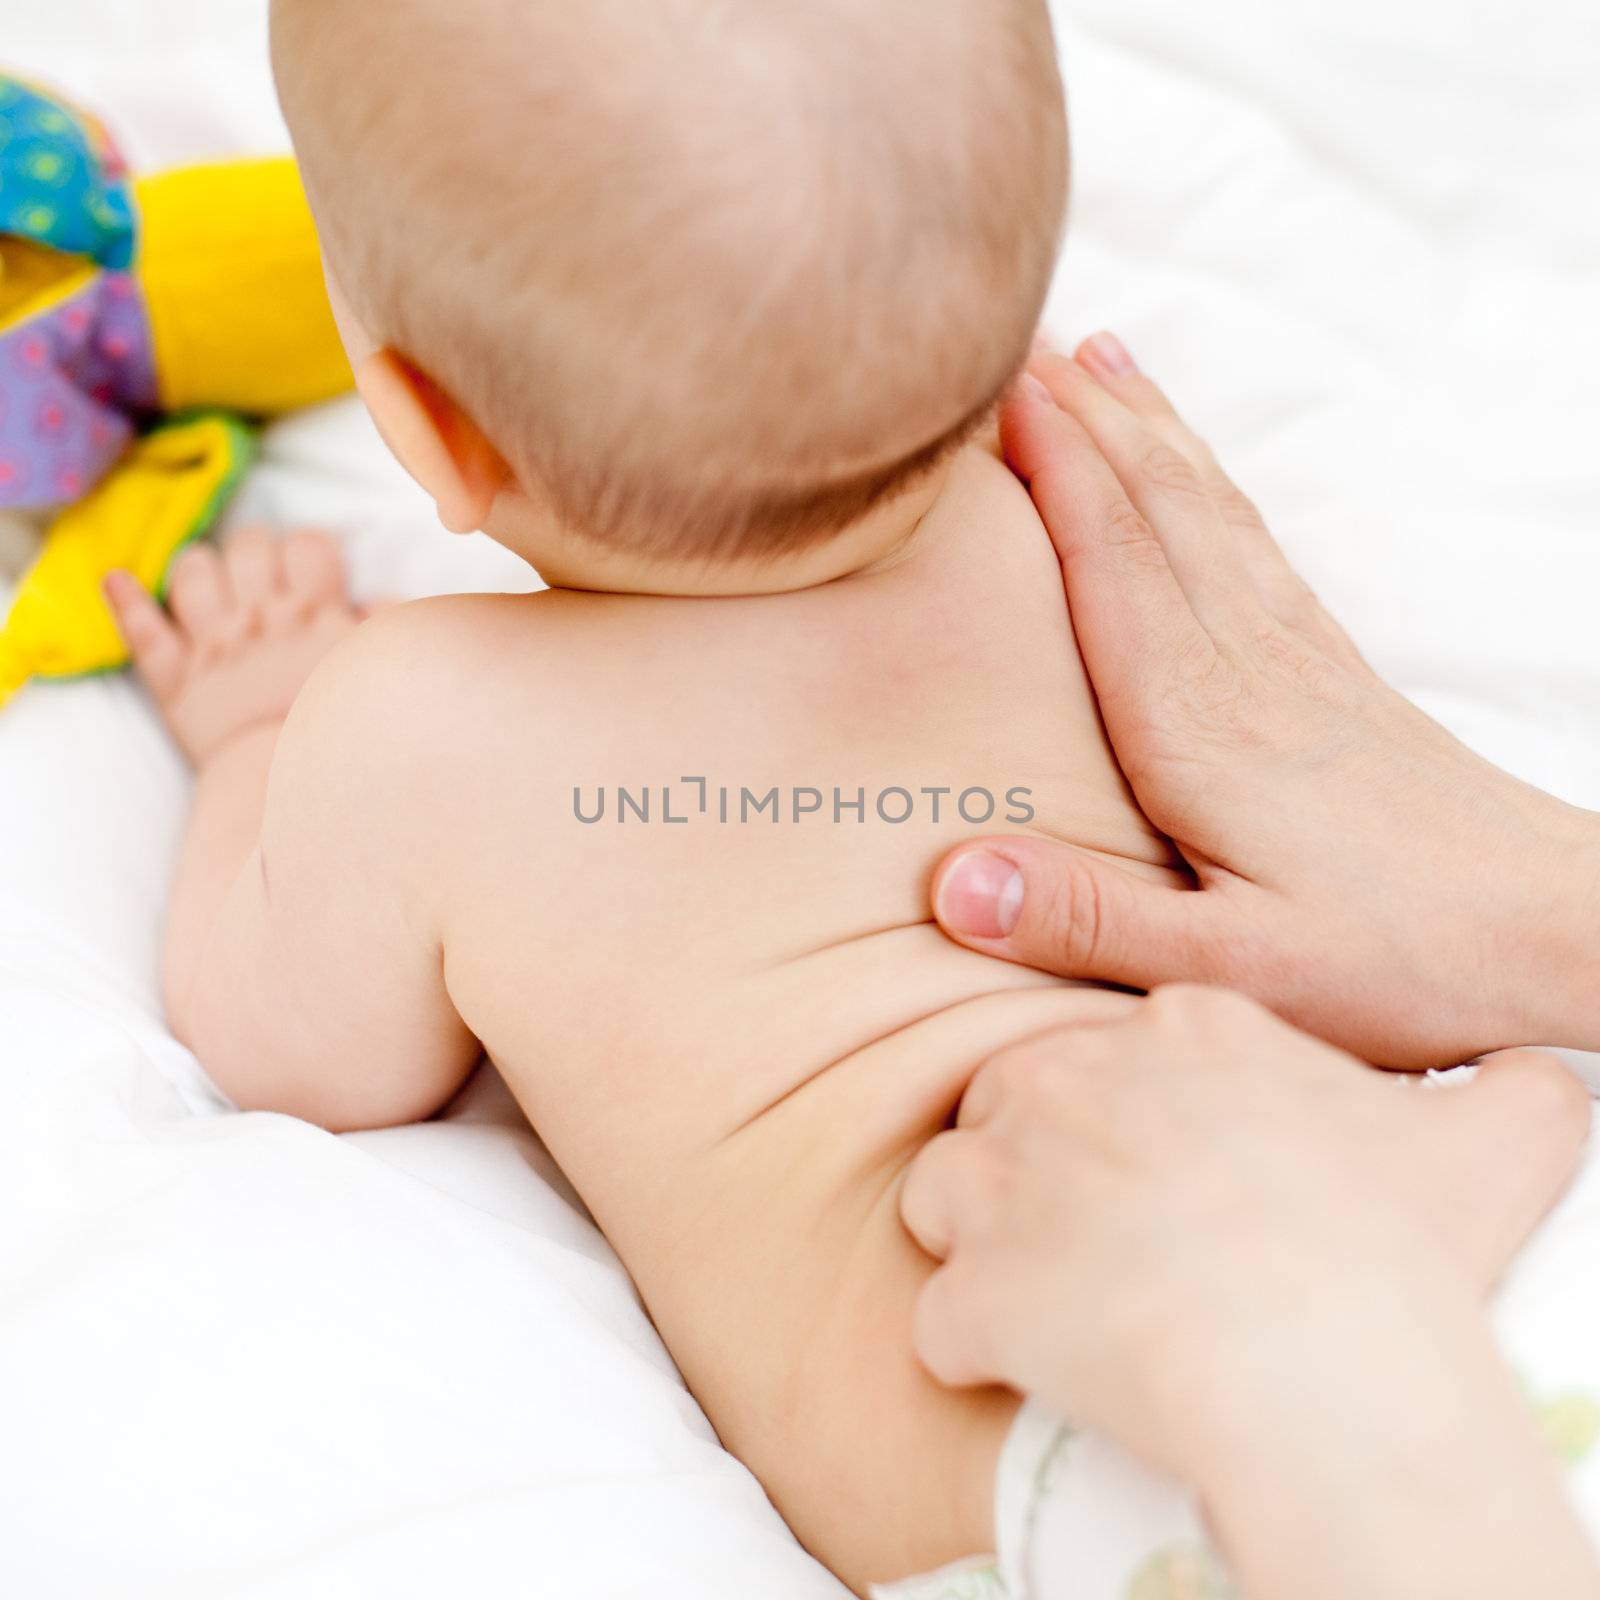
x,y
879,540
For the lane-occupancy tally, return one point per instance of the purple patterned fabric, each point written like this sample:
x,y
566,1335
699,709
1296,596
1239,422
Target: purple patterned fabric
x,y
71,381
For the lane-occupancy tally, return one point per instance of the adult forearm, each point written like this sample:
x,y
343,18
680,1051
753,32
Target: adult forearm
x,y
224,827
1559,935
1400,1466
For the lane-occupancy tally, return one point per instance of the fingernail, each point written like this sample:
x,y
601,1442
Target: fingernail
x,y
1107,352
981,896
1031,388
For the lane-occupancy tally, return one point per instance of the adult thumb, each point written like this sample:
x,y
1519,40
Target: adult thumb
x,y
1069,912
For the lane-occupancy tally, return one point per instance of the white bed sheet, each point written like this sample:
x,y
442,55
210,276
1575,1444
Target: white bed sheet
x,y
239,1356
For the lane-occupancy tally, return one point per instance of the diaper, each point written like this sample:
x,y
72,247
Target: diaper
x,y
1078,1519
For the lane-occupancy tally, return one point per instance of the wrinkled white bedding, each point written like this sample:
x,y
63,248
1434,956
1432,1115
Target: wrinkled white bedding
x,y
239,1356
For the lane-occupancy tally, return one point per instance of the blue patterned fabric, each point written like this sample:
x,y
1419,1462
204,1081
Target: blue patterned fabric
x,y
62,182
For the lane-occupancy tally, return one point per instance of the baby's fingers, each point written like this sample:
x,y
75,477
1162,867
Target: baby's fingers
x,y
159,653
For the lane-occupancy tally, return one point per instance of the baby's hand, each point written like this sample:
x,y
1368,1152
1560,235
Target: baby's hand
x,y
242,630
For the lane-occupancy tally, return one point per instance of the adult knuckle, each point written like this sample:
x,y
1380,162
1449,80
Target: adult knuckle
x,y
926,1176
942,1194
1124,529
1236,506
1550,1093
1163,466
1174,1002
947,1327
1025,1070
1200,664
1202,1006
1292,653
1271,641
1033,1073
1214,688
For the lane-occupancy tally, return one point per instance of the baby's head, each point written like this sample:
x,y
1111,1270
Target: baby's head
x,y
678,286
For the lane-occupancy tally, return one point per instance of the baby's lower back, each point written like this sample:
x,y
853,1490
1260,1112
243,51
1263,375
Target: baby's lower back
x,y
779,1274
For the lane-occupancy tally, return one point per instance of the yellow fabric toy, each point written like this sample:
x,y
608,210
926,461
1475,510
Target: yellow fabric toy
x,y
194,295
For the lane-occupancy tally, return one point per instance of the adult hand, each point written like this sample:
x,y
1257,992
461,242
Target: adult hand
x,y
1138,1218
1357,868
1259,1266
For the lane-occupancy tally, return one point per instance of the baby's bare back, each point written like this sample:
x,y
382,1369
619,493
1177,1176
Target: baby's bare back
x,y
690,926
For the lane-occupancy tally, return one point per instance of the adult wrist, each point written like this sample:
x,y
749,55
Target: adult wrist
x,y
1396,1469
1312,1342
1555,935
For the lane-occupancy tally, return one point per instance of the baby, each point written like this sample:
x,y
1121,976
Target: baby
x,y
703,308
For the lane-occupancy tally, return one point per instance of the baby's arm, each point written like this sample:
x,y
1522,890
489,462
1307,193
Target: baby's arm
x,y
303,961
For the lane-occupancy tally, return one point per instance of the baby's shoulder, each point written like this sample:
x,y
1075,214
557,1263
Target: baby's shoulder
x,y
429,726
441,627
434,655
437,682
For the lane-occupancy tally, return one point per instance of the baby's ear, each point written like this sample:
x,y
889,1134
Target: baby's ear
x,y
433,439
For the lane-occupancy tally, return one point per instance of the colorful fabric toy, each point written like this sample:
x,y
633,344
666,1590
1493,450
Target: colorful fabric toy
x,y
141,321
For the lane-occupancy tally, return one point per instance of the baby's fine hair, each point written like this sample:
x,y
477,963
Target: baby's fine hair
x,y
713,276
